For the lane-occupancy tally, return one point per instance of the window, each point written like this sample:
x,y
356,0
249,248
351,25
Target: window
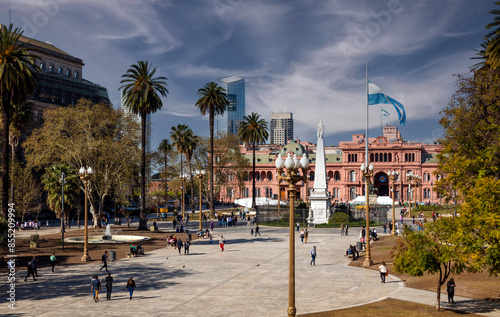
x,y
352,176
42,66
59,70
390,157
330,175
336,176
76,74
51,68
376,157
258,192
68,73
336,193
352,193
311,176
385,157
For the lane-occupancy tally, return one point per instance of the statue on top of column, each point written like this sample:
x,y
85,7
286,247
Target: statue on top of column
x,y
320,129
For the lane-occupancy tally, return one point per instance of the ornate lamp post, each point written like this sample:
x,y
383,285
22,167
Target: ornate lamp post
x,y
393,175
200,175
411,178
367,172
86,176
292,176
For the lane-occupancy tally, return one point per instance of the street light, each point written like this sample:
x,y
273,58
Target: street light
x,y
63,181
415,178
367,172
86,176
393,175
200,175
292,176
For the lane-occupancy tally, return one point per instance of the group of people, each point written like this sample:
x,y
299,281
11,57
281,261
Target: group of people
x,y
136,249
95,286
256,232
304,234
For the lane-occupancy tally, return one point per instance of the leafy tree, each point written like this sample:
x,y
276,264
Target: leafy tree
x,y
18,79
141,93
213,100
253,130
28,192
52,184
435,250
88,135
191,144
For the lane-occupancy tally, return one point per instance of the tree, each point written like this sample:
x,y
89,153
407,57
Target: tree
x,y
97,136
253,130
164,149
213,100
52,184
141,94
190,147
181,136
18,80
436,250
493,39
27,191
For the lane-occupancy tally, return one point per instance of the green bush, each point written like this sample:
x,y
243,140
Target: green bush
x,y
338,218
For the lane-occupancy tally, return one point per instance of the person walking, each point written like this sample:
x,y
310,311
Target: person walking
x,y
450,289
52,260
342,229
186,247
306,234
179,246
346,229
130,286
109,286
302,236
30,271
222,241
298,226
95,286
383,271
313,256
257,230
104,260
34,265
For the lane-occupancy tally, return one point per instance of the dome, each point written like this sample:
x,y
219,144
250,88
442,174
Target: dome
x,y
292,147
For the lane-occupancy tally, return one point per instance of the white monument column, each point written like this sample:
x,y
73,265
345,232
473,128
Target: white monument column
x,y
319,211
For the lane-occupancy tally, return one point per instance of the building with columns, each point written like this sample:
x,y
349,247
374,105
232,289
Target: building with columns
x,y
387,152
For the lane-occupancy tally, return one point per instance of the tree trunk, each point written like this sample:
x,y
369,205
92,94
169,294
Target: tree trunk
x,y
166,179
192,189
142,221
211,196
438,300
253,180
5,158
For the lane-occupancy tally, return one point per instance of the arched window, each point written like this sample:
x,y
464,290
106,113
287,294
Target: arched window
x,y
352,176
376,157
250,176
337,176
390,157
311,176
385,157
371,157
330,175
355,157
269,176
352,194
263,176
406,157
413,157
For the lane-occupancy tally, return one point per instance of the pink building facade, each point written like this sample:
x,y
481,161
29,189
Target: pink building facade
x,y
387,152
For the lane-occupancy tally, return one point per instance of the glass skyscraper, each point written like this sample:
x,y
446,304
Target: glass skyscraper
x,y
230,121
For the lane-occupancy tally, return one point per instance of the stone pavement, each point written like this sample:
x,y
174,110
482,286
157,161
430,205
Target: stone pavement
x,y
250,278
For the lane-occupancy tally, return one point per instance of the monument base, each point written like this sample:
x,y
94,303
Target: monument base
x,y
319,210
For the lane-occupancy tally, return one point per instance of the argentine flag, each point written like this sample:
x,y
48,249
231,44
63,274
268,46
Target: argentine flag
x,y
376,96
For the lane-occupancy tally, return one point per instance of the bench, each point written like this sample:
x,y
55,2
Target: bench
x,y
350,256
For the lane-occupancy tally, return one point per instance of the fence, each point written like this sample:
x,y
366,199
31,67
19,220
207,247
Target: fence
x,y
377,213
267,214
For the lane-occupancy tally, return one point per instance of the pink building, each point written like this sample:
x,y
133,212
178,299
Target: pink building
x,y
345,182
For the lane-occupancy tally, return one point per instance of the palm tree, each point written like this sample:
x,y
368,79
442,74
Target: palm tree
x,y
483,57
213,100
180,136
493,39
141,94
51,181
190,147
18,80
253,130
164,148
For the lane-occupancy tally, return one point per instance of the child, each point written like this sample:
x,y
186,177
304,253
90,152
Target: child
x,y
251,232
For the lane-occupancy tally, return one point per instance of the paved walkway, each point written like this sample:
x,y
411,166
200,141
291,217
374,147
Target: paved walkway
x,y
250,278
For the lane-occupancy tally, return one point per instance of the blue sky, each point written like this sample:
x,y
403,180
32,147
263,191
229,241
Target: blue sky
x,y
304,57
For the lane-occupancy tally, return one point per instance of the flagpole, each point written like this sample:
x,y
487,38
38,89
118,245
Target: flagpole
x,y
381,123
367,103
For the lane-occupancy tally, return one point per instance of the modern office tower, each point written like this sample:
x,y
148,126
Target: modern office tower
x,y
281,127
230,121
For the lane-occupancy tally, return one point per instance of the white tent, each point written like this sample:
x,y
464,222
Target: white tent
x,y
259,201
381,200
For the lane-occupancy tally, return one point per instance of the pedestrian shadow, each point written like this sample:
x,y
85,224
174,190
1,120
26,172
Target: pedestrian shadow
x,y
473,306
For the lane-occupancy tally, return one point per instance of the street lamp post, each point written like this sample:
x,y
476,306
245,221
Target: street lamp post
x,y
182,198
367,172
292,176
63,181
393,175
86,176
416,178
200,175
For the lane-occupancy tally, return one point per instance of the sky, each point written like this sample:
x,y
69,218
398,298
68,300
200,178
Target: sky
x,y
305,57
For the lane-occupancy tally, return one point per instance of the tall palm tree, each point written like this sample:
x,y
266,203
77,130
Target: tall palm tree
x,y
190,147
493,39
180,136
18,79
141,94
253,130
164,148
213,100
51,181
483,57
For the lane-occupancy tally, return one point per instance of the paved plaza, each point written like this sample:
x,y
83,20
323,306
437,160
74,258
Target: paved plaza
x,y
250,278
